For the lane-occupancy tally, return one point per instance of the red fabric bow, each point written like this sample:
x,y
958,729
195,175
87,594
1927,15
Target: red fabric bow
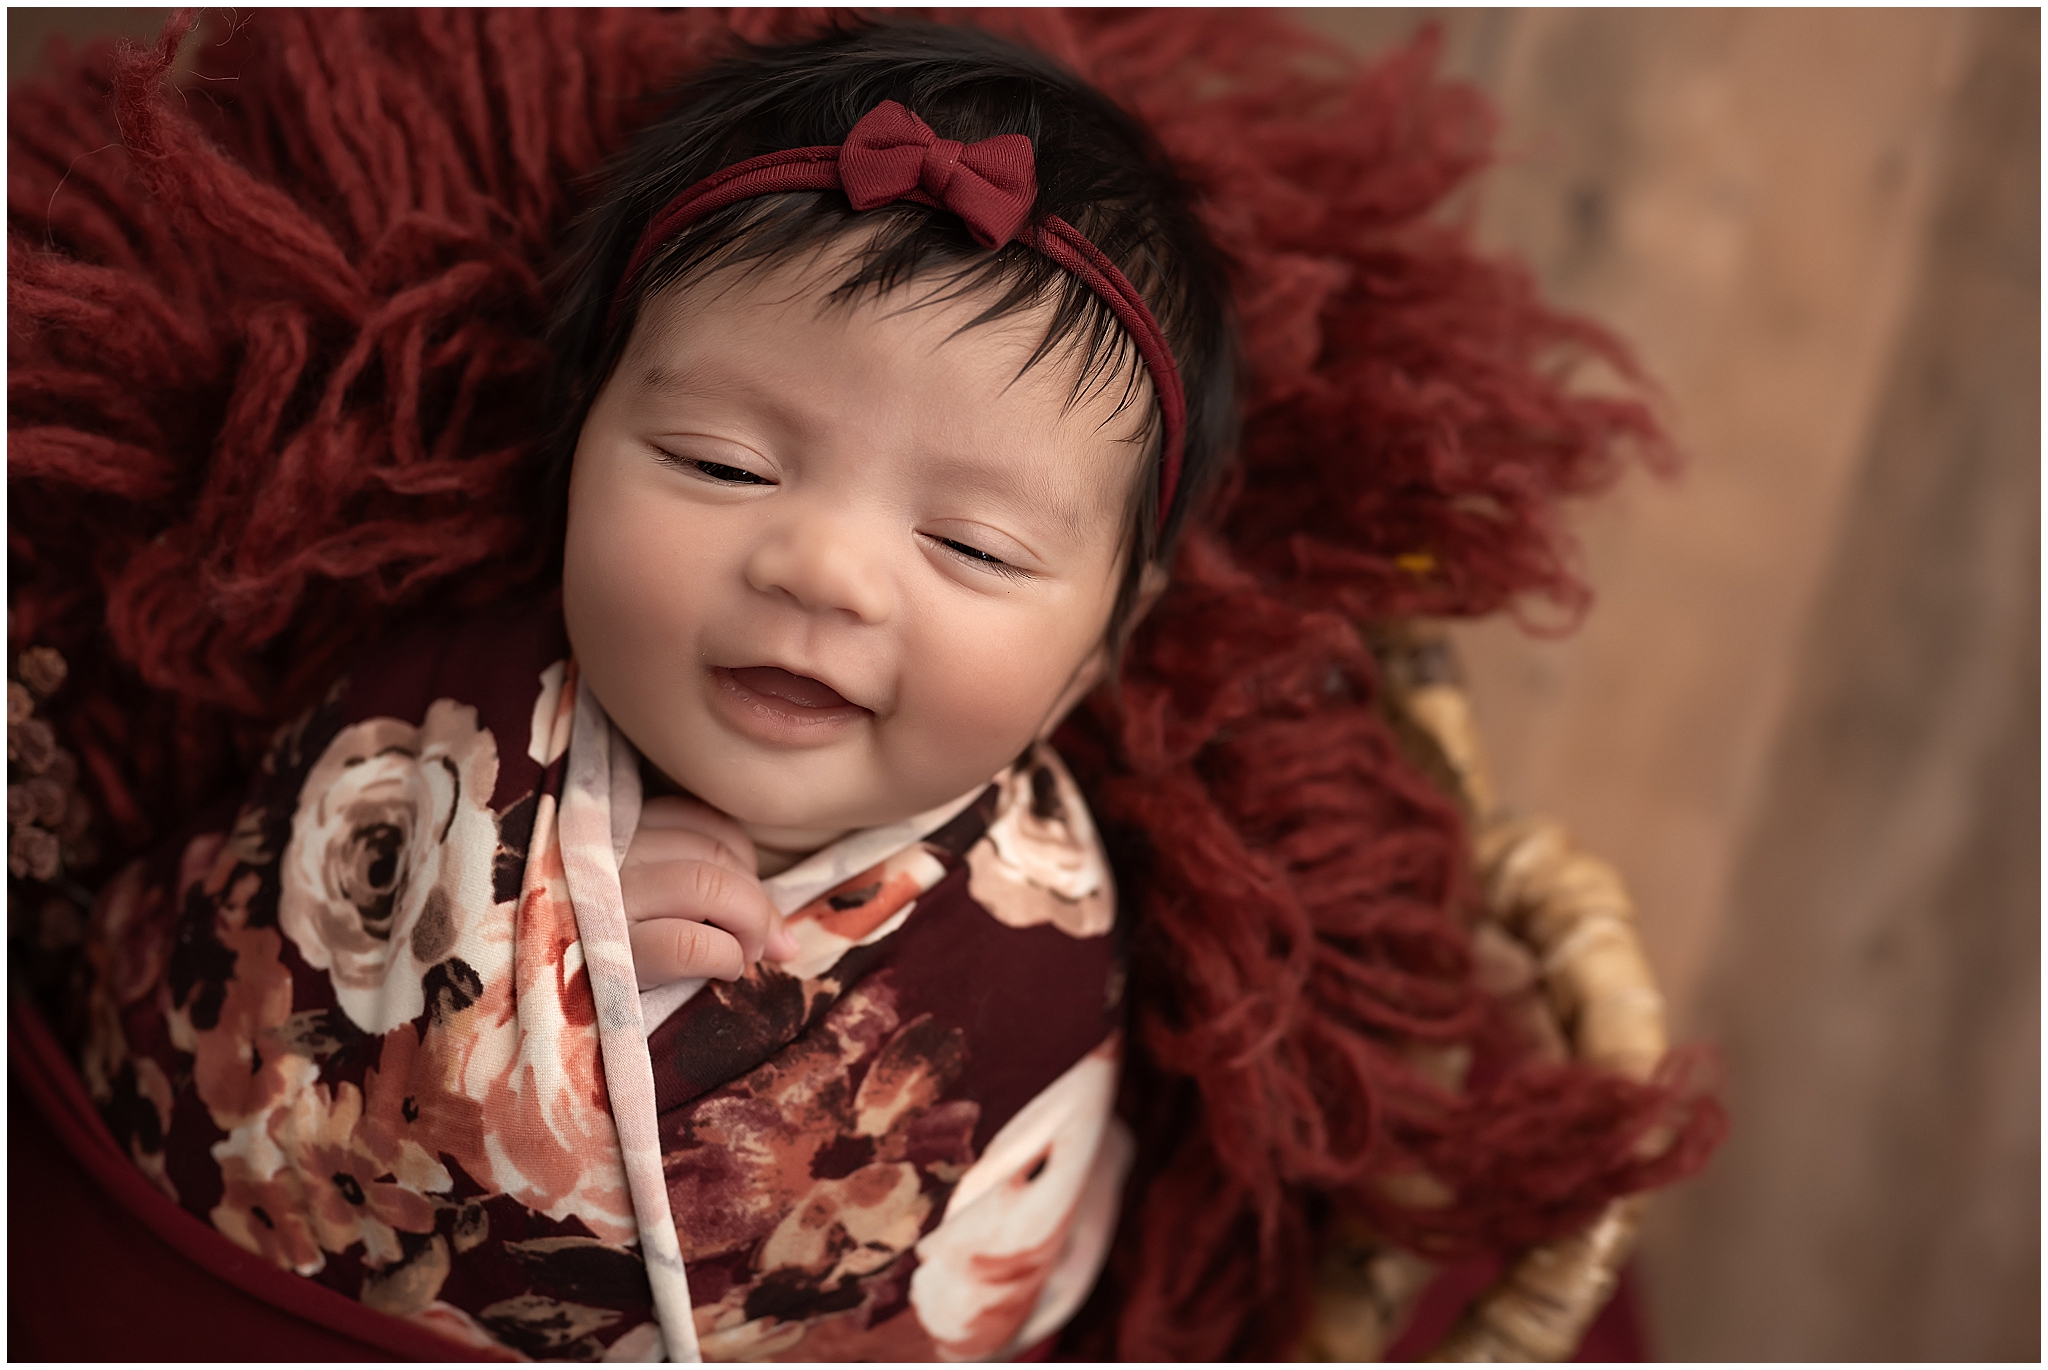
x,y
891,154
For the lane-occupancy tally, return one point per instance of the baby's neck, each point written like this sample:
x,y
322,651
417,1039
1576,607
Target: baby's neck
x,y
773,857
775,849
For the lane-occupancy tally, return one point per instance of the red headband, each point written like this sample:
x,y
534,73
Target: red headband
x,y
892,155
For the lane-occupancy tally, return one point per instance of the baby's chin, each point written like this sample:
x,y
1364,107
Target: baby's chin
x,y
805,828
798,821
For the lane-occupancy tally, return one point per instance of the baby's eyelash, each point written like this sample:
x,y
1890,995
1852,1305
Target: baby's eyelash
x,y
715,470
738,475
981,559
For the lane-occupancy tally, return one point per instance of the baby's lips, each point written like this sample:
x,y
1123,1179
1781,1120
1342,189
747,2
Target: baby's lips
x,y
788,686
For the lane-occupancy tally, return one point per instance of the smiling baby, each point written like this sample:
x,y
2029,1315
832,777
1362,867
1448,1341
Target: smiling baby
x,y
717,959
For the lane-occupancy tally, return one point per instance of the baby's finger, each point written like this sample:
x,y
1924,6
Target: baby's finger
x,y
651,845
705,891
680,811
670,949
780,946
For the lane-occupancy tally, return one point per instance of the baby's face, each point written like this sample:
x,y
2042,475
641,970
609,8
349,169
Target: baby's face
x,y
832,567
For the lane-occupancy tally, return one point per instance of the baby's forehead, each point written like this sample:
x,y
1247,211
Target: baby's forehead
x,y
746,334
1047,326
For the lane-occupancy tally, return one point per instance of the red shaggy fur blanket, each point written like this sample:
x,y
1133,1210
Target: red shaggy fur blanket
x,y
273,374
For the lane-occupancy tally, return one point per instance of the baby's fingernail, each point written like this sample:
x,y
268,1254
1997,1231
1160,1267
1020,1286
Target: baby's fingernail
x,y
782,946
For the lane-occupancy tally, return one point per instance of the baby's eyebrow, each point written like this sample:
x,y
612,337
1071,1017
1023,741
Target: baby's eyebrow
x,y
668,380
1067,506
712,383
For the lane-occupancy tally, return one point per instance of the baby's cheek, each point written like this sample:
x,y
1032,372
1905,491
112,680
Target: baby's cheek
x,y
976,708
611,620
634,637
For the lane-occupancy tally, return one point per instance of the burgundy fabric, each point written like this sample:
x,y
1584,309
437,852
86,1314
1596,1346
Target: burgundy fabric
x,y
216,1018
104,1267
1063,986
892,155
859,1098
102,1285
424,1162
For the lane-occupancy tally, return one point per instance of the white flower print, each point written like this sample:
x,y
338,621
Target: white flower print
x,y
1039,861
390,857
982,1271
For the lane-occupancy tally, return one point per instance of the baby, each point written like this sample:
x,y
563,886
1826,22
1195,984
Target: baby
x,y
717,960
833,563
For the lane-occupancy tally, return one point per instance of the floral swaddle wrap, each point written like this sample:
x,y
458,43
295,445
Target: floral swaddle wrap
x,y
379,1026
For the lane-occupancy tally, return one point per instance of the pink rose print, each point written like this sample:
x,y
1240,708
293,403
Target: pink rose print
x,y
535,1065
300,1180
260,1212
127,944
153,1087
301,1174
238,1061
861,910
459,1327
114,914
1039,862
390,857
506,1079
759,1172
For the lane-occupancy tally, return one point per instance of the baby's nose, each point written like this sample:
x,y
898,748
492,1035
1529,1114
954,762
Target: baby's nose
x,y
826,565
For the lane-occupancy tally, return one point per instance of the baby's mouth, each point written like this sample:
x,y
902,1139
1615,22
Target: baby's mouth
x,y
789,688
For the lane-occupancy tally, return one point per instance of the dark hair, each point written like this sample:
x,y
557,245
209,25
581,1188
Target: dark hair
x,y
1098,168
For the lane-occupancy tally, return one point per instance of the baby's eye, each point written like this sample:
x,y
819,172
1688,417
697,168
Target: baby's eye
x,y
975,553
732,475
982,561
725,473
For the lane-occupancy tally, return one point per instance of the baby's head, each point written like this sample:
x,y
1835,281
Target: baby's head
x,y
858,506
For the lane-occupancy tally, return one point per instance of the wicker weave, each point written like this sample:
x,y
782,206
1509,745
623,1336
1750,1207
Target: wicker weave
x,y
1566,915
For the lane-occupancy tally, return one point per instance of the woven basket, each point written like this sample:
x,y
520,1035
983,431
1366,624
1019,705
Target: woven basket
x,y
1555,917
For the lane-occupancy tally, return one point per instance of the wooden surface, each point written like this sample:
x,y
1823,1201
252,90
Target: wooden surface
x,y
1876,979
30,27
1803,717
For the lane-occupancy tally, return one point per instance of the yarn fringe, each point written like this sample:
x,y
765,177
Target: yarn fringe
x,y
274,373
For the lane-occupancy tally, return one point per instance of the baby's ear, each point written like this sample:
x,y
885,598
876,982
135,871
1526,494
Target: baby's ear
x,y
1151,585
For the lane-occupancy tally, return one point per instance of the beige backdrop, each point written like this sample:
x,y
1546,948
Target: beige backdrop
x,y
1803,717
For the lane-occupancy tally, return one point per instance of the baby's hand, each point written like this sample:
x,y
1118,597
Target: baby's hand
x,y
693,904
